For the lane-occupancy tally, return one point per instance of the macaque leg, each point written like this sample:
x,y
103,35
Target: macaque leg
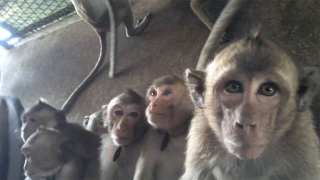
x,y
141,24
199,7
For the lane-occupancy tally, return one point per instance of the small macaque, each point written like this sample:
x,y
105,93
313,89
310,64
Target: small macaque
x,y
169,111
252,119
105,16
44,114
121,147
40,114
95,124
50,153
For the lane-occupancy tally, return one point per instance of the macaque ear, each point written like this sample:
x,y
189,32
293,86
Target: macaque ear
x,y
195,83
104,107
104,111
308,87
85,121
42,101
61,117
67,148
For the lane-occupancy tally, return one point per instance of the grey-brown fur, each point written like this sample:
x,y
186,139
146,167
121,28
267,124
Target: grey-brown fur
x,y
94,123
293,151
124,165
49,117
168,80
53,153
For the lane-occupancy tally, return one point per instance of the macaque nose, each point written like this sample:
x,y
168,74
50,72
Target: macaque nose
x,y
153,105
244,125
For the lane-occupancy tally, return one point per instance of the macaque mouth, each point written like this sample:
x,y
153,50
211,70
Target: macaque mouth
x,y
244,145
159,114
119,137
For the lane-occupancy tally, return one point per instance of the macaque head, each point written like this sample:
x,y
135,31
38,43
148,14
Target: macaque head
x,y
124,116
170,106
94,123
40,114
45,153
250,95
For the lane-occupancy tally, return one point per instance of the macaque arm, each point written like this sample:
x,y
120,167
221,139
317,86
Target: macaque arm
x,y
145,167
108,168
149,155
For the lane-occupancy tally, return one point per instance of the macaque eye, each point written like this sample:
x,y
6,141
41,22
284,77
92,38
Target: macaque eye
x,y
268,89
100,123
166,93
118,112
233,87
134,114
32,120
153,93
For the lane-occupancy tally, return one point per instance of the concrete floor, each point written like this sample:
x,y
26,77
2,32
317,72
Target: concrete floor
x,y
52,66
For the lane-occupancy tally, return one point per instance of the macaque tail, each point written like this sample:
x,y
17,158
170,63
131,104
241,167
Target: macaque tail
x,y
91,76
219,28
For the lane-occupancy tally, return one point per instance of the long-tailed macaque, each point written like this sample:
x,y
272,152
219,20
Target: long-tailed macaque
x,y
170,111
49,117
254,120
126,122
95,124
104,16
50,153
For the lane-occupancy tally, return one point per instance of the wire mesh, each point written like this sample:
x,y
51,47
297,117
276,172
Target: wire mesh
x,y
23,17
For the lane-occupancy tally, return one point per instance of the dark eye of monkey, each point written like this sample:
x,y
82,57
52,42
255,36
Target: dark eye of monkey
x,y
153,93
118,112
166,93
233,87
134,114
268,89
32,120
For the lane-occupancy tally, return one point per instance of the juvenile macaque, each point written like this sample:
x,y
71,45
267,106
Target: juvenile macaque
x,y
121,147
49,117
170,111
40,114
50,153
253,122
95,124
105,16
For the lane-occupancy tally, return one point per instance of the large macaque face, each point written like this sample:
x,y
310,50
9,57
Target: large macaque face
x,y
169,106
125,118
250,105
250,94
43,156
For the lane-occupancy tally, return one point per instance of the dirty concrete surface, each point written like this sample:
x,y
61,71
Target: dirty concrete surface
x,y
53,66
